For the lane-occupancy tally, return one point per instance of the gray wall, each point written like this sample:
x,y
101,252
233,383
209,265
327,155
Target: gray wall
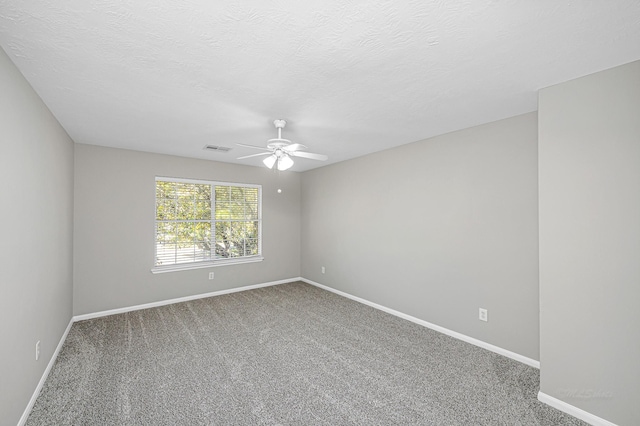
x,y
36,171
436,229
589,167
114,228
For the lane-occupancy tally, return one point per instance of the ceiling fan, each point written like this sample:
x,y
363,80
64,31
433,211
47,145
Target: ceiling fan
x,y
280,150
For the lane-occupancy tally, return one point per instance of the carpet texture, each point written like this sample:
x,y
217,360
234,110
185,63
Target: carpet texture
x,y
290,354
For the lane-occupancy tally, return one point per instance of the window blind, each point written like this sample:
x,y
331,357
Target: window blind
x,y
202,221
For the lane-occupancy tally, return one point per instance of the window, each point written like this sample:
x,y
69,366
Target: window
x,y
202,224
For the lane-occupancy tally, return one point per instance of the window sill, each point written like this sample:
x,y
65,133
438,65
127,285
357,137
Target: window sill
x,y
200,265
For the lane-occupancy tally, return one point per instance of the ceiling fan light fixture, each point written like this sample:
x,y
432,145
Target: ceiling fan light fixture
x,y
270,161
284,162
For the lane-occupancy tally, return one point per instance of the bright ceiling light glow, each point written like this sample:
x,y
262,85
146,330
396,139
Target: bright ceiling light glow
x,y
285,162
270,161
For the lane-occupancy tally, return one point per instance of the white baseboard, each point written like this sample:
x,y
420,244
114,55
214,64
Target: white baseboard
x,y
572,410
521,358
179,299
36,392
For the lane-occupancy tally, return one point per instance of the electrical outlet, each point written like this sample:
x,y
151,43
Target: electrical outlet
x,y
483,315
323,269
211,275
38,350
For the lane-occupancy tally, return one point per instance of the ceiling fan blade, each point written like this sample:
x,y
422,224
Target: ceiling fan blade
x,y
294,147
254,147
253,155
311,155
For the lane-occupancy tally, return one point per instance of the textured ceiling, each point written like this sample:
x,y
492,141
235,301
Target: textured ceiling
x,y
350,77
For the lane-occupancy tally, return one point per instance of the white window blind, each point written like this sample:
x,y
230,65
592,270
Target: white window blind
x,y
203,222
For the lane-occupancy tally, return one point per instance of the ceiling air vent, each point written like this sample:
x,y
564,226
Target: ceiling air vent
x,y
217,148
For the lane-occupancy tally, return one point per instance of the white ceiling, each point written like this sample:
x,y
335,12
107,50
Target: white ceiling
x,y
350,77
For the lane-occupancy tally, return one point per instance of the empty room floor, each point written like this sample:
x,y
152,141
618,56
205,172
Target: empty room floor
x,y
288,354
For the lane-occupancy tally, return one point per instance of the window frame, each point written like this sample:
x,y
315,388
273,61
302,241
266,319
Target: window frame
x,y
156,269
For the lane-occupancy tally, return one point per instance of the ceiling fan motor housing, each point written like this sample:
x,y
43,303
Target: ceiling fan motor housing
x,y
275,144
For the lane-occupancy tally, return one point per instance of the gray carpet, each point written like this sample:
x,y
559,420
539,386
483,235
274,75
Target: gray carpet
x,y
291,354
